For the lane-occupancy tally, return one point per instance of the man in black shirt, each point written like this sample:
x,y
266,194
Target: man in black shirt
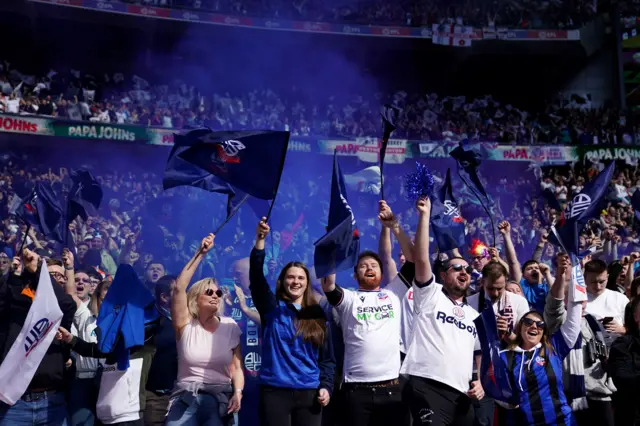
x,y
164,368
44,401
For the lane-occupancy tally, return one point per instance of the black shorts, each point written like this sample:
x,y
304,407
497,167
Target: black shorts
x,y
436,404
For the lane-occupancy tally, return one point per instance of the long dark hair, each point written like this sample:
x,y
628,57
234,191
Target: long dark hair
x,y
312,329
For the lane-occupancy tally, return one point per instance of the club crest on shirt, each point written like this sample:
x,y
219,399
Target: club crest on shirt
x,y
540,361
382,296
458,312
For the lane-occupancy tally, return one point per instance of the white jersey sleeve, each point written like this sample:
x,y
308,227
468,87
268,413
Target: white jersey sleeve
x,y
424,296
402,282
346,302
406,324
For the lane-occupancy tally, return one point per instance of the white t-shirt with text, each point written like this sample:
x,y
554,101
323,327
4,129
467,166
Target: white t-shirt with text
x,y
370,322
443,340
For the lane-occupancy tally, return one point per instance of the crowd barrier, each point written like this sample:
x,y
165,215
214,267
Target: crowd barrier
x,y
365,149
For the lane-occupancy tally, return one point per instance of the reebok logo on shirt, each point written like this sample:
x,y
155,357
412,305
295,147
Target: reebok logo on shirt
x,y
450,319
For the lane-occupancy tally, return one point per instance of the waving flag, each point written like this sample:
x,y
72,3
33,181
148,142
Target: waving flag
x,y
40,210
469,161
339,248
584,206
251,161
85,195
33,341
180,171
446,222
389,115
494,375
366,180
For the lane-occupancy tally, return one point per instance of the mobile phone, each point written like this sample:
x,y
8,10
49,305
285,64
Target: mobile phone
x,y
606,320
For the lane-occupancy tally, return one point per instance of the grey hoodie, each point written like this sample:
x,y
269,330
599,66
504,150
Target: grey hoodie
x,y
598,384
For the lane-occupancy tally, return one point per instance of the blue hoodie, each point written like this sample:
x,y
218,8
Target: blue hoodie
x,y
124,312
288,361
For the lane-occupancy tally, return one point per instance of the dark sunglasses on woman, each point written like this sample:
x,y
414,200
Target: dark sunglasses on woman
x,y
528,322
458,267
210,292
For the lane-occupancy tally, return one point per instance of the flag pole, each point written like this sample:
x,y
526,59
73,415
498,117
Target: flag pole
x,y
385,141
24,239
230,216
199,252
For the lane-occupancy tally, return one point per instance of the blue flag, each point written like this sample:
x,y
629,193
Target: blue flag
x,y
85,195
584,206
339,248
446,222
41,210
469,162
494,374
180,172
251,161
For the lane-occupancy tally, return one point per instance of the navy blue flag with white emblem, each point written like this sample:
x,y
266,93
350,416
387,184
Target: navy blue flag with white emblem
x,y
446,222
584,206
339,248
251,161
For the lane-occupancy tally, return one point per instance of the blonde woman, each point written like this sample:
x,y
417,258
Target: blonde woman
x,y
210,380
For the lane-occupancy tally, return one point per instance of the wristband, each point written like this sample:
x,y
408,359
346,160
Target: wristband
x,y
68,269
238,391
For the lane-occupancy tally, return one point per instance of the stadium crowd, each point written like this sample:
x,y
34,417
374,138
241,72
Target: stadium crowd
x,y
511,14
116,99
140,226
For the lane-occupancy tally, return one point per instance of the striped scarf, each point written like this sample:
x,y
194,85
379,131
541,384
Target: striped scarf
x,y
573,377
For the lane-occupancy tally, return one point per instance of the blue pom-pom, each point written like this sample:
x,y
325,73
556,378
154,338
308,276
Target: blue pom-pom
x,y
419,184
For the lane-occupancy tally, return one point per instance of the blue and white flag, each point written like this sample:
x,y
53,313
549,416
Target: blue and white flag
x,y
26,353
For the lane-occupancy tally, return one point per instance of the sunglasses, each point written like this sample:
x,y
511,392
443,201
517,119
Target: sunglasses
x,y
528,322
210,292
458,267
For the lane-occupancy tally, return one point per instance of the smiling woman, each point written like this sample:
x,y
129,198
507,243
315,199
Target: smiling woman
x,y
534,360
210,378
296,351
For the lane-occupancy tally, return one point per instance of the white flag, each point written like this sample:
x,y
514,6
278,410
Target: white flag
x,y
366,180
26,353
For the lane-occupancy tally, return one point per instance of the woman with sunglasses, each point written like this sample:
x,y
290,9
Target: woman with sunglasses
x,y
297,369
534,360
210,380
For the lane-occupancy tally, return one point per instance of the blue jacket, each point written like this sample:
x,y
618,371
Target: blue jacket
x,y
288,361
128,306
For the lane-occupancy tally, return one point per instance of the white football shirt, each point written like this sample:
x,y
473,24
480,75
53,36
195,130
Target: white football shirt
x,y
370,322
443,339
406,323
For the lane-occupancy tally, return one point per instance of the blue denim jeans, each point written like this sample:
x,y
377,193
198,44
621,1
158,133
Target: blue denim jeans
x,y
188,409
82,402
45,409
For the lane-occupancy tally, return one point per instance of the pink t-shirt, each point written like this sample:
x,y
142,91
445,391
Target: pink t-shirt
x,y
205,357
